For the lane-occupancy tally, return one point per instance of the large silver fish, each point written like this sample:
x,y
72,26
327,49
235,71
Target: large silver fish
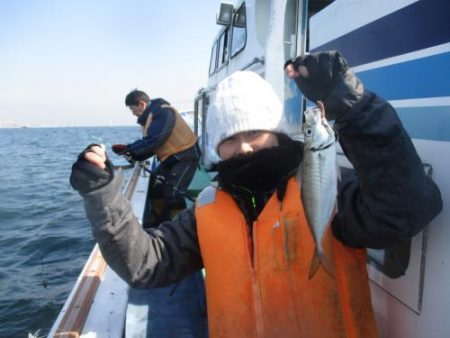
x,y
318,177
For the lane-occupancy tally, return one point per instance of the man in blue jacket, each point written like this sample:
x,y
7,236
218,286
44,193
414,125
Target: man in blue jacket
x,y
168,136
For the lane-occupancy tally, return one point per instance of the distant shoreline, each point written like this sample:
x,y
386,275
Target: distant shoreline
x,y
96,126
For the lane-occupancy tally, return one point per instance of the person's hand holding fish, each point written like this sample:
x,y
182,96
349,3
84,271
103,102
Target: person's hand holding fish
x,y
322,77
316,75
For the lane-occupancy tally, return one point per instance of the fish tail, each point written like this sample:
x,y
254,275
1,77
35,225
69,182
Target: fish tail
x,y
319,261
315,264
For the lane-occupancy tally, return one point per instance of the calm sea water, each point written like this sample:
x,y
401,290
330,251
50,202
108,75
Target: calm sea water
x,y
45,236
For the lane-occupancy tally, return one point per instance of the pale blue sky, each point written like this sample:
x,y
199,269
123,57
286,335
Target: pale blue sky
x,y
71,62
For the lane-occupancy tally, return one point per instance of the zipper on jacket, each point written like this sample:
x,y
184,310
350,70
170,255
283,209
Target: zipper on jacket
x,y
252,228
249,224
259,318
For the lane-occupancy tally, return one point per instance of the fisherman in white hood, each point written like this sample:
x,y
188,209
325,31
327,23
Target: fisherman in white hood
x,y
249,231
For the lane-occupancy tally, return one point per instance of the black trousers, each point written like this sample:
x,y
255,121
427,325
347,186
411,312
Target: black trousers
x,y
167,189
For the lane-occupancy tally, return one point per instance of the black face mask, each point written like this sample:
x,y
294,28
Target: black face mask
x,y
261,171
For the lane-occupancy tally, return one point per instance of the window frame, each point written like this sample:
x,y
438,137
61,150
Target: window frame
x,y
225,34
233,53
214,54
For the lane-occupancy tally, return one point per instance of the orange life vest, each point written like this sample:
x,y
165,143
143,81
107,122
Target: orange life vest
x,y
266,291
181,138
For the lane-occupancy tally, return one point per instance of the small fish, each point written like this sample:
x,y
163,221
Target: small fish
x,y
318,177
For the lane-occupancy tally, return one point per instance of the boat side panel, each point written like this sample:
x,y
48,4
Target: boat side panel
x,y
420,25
368,11
404,56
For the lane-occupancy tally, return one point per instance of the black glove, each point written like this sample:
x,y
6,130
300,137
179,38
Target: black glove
x,y
122,149
87,177
119,149
329,80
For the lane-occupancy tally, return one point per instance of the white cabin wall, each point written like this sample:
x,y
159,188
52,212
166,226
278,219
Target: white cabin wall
x,y
262,17
274,52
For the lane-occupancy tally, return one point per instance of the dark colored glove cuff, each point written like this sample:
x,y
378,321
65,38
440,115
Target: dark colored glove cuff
x,y
346,93
87,177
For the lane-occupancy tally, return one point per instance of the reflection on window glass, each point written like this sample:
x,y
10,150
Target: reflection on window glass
x,y
223,45
213,62
239,35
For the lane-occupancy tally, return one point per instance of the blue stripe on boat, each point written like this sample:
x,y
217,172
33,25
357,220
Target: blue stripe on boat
x,y
413,79
426,123
420,25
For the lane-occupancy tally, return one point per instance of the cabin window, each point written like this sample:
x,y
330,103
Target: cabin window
x,y
213,62
223,48
239,31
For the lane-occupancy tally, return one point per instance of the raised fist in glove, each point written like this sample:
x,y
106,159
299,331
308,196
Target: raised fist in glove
x,y
92,170
119,149
325,77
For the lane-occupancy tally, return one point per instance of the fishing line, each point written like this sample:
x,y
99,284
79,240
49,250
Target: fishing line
x,y
43,273
44,277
